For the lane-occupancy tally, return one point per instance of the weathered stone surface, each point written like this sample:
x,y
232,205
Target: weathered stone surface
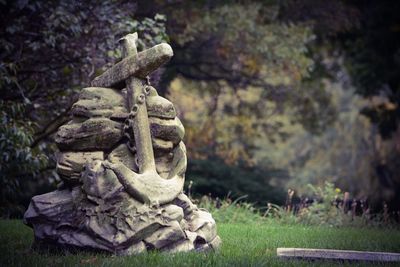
x,y
208,231
50,206
165,133
98,182
71,164
122,154
137,248
216,243
100,216
100,102
168,130
184,202
164,164
173,212
160,107
179,246
199,218
124,162
111,103
92,134
165,236
148,187
139,65
161,146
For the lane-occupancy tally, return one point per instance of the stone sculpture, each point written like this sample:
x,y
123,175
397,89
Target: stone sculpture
x,y
123,163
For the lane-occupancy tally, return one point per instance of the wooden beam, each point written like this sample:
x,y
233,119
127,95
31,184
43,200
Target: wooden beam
x,y
332,254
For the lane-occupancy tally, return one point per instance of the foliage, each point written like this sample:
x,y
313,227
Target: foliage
x,y
17,159
226,125
373,64
341,154
246,65
65,47
151,31
228,211
324,211
372,58
268,54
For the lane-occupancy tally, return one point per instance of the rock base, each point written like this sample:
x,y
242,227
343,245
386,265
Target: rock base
x,y
108,219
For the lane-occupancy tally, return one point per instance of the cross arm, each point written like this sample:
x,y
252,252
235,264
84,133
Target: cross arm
x,y
139,66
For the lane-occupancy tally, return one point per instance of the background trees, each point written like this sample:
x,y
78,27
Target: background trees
x,y
264,88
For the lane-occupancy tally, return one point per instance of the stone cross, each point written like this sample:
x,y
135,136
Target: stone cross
x,y
147,185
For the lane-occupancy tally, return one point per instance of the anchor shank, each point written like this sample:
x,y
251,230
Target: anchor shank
x,y
137,105
141,127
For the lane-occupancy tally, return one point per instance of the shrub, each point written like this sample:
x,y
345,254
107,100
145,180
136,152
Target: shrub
x,y
325,210
228,211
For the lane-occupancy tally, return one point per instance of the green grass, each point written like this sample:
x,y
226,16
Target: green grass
x,y
243,245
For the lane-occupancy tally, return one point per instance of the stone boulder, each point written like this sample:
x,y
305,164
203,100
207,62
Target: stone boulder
x,y
100,215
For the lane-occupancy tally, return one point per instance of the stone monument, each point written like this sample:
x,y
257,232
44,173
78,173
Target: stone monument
x,y
123,163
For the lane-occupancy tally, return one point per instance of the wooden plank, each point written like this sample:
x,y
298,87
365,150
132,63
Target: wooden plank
x,y
333,254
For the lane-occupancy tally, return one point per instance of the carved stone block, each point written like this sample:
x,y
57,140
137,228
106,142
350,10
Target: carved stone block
x,y
71,164
91,134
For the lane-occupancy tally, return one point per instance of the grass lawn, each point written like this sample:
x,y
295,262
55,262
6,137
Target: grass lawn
x,y
243,245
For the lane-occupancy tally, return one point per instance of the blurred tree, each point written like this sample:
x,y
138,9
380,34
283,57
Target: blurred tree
x,y
246,65
240,44
366,34
373,60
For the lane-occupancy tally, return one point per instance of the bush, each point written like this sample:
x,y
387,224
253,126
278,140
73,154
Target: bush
x,y
228,211
18,161
325,210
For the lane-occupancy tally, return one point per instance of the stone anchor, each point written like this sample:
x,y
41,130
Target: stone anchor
x,y
147,185
122,162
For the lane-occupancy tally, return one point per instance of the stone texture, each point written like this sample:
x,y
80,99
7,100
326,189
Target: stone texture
x,y
100,215
71,164
139,65
110,103
100,102
165,236
123,163
168,130
160,107
122,154
92,134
